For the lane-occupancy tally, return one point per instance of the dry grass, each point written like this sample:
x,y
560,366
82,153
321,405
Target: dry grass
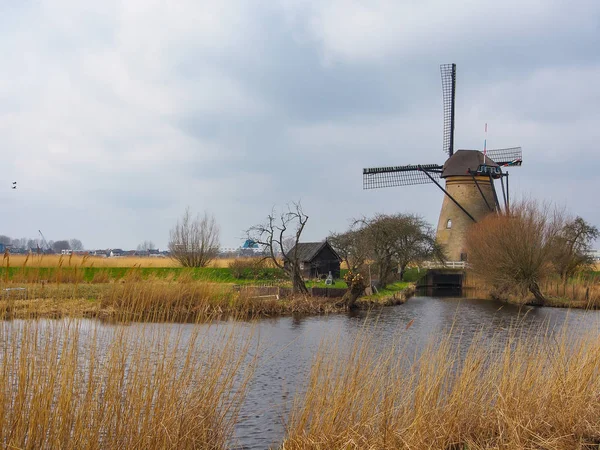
x,y
155,300
88,261
96,261
582,291
64,386
534,393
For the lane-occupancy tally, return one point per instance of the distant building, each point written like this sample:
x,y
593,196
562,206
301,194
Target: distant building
x,y
116,252
595,254
316,259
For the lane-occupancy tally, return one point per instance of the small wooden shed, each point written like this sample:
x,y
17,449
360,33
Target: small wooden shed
x,y
316,259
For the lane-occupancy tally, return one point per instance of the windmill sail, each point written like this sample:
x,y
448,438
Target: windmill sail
x,y
449,93
381,177
506,156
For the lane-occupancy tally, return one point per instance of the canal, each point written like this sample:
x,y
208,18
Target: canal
x,y
290,344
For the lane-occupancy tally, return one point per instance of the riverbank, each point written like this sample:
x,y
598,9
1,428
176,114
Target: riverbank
x,y
159,300
582,292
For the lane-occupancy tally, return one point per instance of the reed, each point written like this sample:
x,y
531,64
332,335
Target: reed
x,y
581,291
34,260
63,385
537,392
154,300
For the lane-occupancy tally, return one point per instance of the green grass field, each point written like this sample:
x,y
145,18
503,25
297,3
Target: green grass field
x,y
105,274
70,274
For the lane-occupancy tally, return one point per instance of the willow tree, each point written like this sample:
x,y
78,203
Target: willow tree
x,y
194,241
515,250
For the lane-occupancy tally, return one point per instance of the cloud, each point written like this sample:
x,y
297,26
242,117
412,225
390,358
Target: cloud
x,y
114,116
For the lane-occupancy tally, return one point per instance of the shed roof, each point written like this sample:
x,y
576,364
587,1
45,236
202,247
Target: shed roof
x,y
464,160
307,251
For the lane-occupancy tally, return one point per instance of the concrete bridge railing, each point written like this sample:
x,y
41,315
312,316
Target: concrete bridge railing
x,y
458,265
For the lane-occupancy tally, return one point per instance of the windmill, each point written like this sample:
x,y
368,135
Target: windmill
x,y
469,175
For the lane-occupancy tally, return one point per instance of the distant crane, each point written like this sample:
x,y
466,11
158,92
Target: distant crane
x,y
45,242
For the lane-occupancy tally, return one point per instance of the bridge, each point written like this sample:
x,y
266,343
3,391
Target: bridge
x,y
443,275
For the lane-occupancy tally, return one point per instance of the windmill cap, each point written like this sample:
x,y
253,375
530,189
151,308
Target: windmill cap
x,y
464,161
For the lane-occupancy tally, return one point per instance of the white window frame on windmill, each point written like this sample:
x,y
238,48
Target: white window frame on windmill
x,y
448,224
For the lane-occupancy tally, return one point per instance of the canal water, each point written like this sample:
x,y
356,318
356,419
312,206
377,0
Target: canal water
x,y
292,342
286,346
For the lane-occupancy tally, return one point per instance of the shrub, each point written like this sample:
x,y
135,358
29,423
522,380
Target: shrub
x,y
253,269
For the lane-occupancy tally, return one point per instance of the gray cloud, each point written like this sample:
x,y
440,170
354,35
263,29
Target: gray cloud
x,y
116,116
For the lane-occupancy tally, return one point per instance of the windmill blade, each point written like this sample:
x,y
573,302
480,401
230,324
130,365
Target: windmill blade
x,y
506,156
448,72
381,177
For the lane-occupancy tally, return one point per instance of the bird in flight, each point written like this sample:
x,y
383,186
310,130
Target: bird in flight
x,y
14,185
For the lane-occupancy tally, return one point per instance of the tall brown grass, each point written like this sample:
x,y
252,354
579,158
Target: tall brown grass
x,y
520,393
66,386
154,300
34,260
581,291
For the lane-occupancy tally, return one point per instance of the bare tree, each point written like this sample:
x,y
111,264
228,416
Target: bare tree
x,y
5,239
19,243
515,251
274,236
572,247
34,244
146,246
194,242
76,245
352,246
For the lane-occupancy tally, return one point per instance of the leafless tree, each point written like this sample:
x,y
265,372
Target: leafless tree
x,y
19,243
515,251
76,245
274,236
146,246
352,246
572,247
194,242
35,245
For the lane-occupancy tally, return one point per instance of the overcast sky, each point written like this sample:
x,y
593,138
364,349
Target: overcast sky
x,y
114,116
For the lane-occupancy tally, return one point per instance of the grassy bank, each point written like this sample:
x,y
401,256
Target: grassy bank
x,y
44,286
97,261
537,392
155,301
582,291
83,274
63,387
65,269
393,294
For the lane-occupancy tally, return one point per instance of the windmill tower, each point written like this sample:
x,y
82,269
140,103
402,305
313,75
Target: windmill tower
x,y
469,175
